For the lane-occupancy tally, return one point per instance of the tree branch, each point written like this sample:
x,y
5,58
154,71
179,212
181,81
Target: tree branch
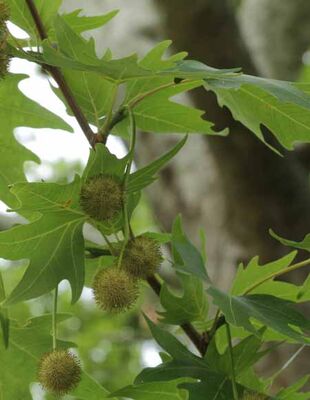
x,y
60,80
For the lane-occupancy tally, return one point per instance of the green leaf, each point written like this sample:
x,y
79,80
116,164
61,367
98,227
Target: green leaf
x,y
280,106
191,306
271,311
17,110
145,176
81,23
157,113
293,393
154,61
153,391
27,344
20,14
303,245
170,344
186,257
216,387
94,94
253,273
53,242
101,161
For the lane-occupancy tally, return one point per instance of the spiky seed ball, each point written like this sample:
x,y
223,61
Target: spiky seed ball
x,y
59,372
142,257
114,290
101,197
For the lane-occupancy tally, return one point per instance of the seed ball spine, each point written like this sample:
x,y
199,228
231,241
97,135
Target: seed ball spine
x,y
101,197
142,257
114,290
59,372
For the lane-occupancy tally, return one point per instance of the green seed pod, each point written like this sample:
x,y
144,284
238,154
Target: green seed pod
x,y
114,290
59,372
101,197
4,12
142,257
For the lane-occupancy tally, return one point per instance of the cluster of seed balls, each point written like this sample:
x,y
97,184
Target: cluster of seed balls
x,y
4,57
115,289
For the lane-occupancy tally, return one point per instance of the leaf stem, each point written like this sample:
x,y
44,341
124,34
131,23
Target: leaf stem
x,y
54,319
136,100
278,273
60,80
127,229
233,374
111,248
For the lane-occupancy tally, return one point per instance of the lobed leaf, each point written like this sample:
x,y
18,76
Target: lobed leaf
x,y
303,245
17,110
271,311
279,106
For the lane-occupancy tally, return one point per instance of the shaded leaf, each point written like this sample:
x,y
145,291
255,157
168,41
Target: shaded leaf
x,y
153,391
293,393
303,245
278,105
271,311
186,257
191,306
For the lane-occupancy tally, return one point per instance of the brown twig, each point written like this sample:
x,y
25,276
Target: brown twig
x,y
60,80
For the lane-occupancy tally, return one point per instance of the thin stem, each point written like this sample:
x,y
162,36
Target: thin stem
x,y
216,318
109,244
136,100
233,374
60,80
125,183
277,274
288,363
54,319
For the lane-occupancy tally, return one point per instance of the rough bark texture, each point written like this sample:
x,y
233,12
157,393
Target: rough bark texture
x,y
277,34
234,187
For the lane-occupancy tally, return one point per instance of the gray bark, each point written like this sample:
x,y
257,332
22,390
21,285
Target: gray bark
x,y
277,34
